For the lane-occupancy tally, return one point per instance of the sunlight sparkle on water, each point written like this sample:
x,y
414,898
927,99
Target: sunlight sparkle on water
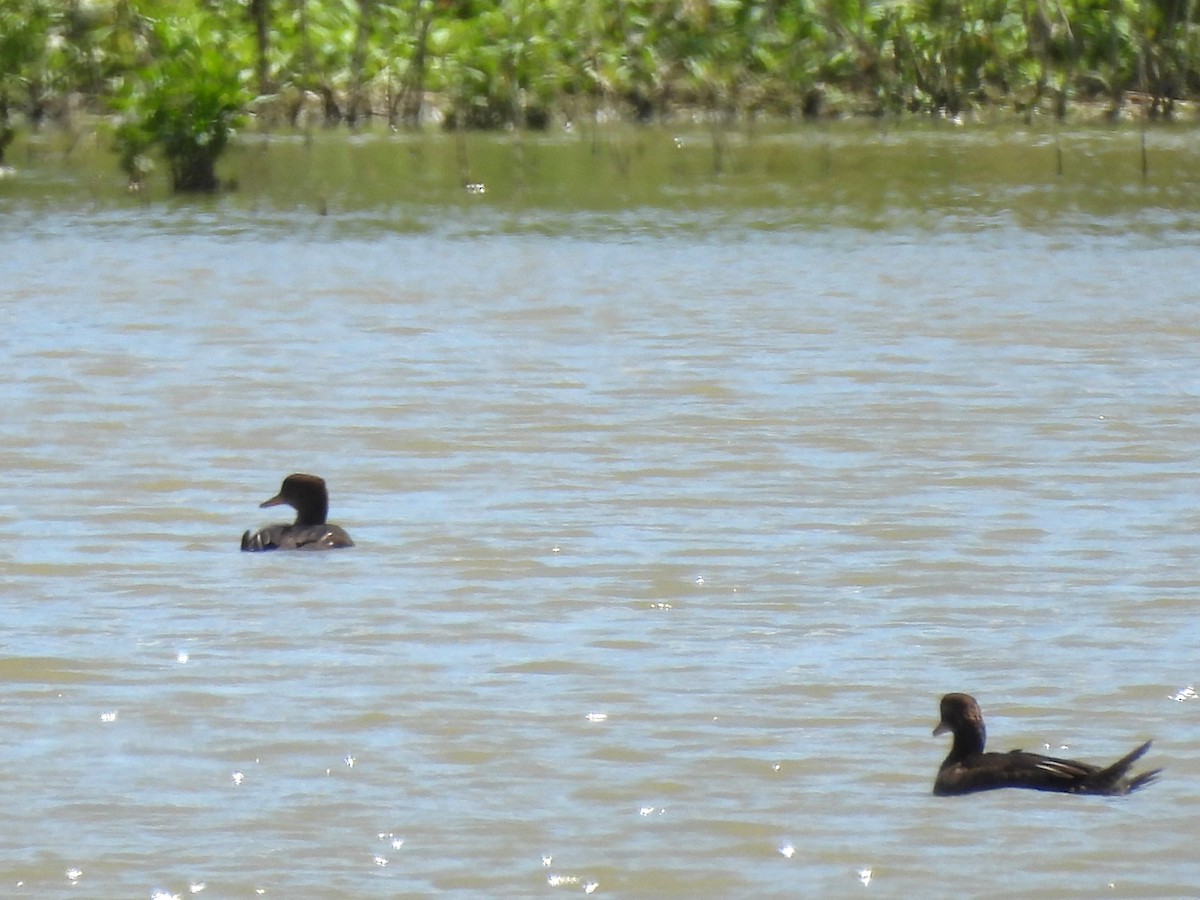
x,y
864,875
589,887
390,837
788,851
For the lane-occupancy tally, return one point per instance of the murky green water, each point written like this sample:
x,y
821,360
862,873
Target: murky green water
x,y
683,485
862,175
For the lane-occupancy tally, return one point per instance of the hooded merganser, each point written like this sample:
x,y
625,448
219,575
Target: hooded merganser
x,y
307,495
968,769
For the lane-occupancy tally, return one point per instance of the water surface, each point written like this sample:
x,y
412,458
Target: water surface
x,y
686,473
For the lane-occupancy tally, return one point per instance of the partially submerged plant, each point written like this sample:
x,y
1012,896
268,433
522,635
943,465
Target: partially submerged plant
x,y
185,102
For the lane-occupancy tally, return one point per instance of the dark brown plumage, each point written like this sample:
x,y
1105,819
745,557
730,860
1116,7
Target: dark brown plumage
x,y
968,768
307,495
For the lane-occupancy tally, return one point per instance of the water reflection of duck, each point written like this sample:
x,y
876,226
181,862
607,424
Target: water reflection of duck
x,y
307,495
968,769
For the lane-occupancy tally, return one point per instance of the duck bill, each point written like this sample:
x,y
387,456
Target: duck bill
x,y
941,728
277,500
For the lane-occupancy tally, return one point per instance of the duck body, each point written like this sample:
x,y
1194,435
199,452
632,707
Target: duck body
x,y
307,495
968,768
296,537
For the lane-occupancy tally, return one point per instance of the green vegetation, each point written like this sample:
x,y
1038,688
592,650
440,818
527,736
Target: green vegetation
x,y
184,98
179,75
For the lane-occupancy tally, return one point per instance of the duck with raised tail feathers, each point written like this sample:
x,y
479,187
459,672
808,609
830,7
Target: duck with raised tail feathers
x,y
307,495
968,768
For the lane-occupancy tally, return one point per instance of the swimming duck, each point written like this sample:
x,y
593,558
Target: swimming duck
x,y
968,769
307,495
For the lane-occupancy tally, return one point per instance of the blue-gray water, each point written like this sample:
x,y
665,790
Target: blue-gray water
x,y
668,541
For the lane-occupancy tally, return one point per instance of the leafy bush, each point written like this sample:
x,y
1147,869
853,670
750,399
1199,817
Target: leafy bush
x,y
24,37
185,101
181,71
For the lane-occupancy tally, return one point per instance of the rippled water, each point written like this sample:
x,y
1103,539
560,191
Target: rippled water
x,y
673,524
